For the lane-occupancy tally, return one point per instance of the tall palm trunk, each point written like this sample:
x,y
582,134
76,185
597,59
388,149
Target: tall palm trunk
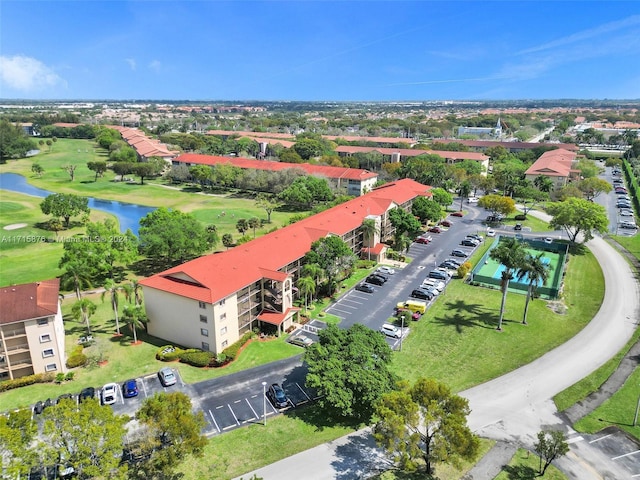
x,y
114,304
505,288
526,303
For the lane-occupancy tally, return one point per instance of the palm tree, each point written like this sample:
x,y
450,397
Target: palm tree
x,y
314,271
511,254
307,287
83,309
464,191
132,292
135,317
537,272
75,278
369,230
111,288
254,222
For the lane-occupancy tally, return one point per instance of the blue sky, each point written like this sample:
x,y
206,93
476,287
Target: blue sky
x,y
319,50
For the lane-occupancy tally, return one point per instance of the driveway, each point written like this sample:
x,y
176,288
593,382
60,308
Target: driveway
x,y
516,406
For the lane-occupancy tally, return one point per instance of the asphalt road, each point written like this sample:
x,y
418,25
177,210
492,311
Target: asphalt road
x,y
516,406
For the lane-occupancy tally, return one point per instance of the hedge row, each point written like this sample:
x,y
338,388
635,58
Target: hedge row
x,y
200,358
27,380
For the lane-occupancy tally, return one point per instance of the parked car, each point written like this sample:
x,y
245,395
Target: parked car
x,y
491,232
469,242
436,229
622,191
448,265
459,253
446,223
629,225
390,330
438,274
457,214
422,294
109,394
446,271
365,287
277,396
383,275
423,240
548,240
626,213
517,226
301,341
167,377
433,283
64,396
455,261
476,237
386,269
38,408
375,280
472,200
86,393
414,315
130,389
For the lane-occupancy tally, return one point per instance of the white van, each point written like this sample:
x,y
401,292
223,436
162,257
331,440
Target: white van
x,y
391,330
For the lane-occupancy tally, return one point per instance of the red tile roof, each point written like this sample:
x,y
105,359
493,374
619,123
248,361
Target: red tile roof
x,y
410,152
29,301
275,318
554,163
214,277
322,170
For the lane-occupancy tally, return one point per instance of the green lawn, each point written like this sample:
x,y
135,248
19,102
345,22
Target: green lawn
x,y
524,466
618,410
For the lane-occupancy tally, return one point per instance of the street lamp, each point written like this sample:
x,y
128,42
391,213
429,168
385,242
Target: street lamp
x,y
264,402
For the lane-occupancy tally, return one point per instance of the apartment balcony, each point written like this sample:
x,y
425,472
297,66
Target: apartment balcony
x,y
15,333
13,350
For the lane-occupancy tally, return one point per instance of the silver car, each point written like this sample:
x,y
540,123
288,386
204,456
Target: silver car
x,y
167,377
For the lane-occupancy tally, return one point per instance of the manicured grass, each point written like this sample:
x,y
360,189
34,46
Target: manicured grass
x,y
618,410
630,243
580,390
456,341
524,465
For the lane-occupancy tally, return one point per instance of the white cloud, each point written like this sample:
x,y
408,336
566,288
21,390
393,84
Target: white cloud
x,y
131,62
155,65
27,74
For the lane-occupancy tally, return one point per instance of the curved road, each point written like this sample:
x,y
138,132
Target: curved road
x,y
517,405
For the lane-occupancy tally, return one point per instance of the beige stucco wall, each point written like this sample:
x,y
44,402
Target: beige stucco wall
x,y
177,320
55,329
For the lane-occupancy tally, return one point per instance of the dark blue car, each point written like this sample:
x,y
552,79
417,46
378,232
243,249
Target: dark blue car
x,y
129,389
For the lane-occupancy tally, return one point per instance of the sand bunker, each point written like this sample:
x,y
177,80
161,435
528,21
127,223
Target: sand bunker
x,y
15,226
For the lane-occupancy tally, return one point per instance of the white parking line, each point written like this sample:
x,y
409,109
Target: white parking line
x,y
601,438
625,455
574,440
233,413
214,421
303,392
254,412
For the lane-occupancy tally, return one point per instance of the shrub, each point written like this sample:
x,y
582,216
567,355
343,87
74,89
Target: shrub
x,y
198,358
76,360
169,353
59,377
27,380
464,269
232,350
69,376
520,217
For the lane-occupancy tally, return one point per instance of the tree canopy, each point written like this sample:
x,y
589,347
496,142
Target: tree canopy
x,y
350,370
498,204
424,422
334,257
64,205
173,235
550,445
14,142
404,222
591,187
578,216
307,191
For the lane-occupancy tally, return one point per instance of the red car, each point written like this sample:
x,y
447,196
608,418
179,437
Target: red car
x,y
435,230
445,223
424,240
457,214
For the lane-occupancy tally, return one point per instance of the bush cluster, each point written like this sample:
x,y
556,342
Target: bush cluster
x,y
196,358
231,352
464,269
169,353
77,358
27,380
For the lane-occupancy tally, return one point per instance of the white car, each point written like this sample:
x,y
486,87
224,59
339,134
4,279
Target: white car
x,y
434,283
387,270
446,271
626,213
473,200
391,330
109,394
548,240
491,232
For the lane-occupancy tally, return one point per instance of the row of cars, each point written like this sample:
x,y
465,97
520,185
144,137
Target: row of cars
x,y
108,394
623,202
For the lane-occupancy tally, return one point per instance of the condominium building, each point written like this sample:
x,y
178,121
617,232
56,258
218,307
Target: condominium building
x,y
211,301
31,330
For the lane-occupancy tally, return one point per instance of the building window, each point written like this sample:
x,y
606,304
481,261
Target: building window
x,y
45,337
51,367
205,346
43,321
47,353
225,343
221,302
203,318
223,331
202,305
204,332
223,316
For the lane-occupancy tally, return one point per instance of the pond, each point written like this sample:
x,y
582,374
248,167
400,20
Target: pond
x,y
128,214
